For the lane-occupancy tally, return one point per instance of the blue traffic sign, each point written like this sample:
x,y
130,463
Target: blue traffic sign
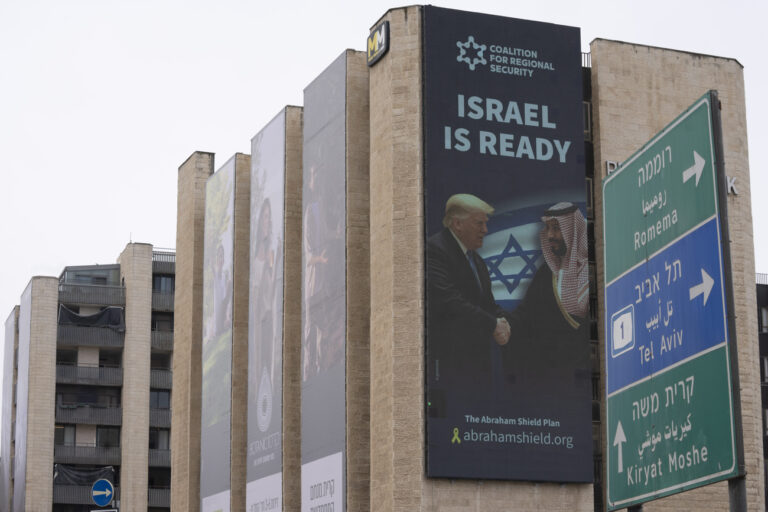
x,y
102,492
666,309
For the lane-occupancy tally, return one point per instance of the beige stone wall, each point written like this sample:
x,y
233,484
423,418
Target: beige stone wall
x,y
398,481
136,272
42,393
396,231
292,312
241,271
188,333
358,284
636,91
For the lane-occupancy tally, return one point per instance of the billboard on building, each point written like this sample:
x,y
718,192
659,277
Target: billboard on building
x,y
507,324
323,411
218,263
6,427
22,400
265,318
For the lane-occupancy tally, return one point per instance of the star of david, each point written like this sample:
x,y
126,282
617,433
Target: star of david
x,y
463,57
513,249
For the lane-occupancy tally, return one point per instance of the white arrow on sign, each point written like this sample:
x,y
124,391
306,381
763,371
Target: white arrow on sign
x,y
704,287
105,492
695,169
618,440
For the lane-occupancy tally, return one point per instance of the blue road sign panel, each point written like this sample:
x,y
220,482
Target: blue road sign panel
x,y
102,492
666,309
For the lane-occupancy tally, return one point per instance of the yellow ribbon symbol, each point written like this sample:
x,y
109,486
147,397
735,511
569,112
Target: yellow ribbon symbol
x,y
455,438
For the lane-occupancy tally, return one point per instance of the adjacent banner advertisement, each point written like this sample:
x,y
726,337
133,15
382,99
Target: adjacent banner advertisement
x,y
6,427
323,410
507,324
218,262
265,319
22,401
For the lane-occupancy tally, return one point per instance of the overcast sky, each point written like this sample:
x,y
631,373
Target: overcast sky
x,y
102,100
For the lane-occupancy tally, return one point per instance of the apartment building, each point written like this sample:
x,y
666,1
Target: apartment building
x,y
90,368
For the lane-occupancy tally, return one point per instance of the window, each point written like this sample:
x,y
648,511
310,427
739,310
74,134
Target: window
x,y
64,435
764,319
159,439
160,361
108,437
162,283
765,369
162,322
590,199
110,358
65,356
159,399
587,110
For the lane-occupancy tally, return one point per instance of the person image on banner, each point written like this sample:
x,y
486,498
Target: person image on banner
x,y
464,319
552,318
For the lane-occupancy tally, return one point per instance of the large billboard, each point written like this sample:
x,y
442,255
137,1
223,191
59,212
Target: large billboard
x,y
507,324
218,263
265,319
670,418
323,411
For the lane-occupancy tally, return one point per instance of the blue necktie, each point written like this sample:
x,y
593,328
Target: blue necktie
x,y
474,267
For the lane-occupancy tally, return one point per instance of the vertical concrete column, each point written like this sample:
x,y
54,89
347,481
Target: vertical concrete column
x,y
36,395
292,313
136,274
188,333
397,270
358,284
636,91
10,344
241,271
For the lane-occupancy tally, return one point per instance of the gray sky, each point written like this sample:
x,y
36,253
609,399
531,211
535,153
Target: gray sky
x,y
102,100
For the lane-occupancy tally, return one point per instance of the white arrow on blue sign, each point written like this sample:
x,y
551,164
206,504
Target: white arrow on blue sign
x,y
102,492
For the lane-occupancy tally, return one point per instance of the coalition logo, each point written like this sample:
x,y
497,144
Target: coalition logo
x,y
500,58
471,53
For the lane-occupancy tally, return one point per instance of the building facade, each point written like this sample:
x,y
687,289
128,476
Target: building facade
x,y
92,387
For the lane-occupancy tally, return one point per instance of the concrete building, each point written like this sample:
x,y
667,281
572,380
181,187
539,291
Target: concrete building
x,y
90,355
762,329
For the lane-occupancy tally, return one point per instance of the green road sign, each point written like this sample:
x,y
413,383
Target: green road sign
x,y
660,192
671,432
670,423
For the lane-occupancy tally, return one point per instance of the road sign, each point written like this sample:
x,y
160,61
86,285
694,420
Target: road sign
x,y
102,492
670,422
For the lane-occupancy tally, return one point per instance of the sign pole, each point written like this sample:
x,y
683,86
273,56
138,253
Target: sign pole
x,y
737,487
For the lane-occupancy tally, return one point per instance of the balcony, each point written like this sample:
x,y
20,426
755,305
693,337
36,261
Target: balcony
x,y
160,379
76,494
89,375
77,335
162,341
93,295
87,454
159,458
158,418
162,301
89,414
164,261
159,497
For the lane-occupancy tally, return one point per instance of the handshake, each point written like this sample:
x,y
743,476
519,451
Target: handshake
x,y
502,332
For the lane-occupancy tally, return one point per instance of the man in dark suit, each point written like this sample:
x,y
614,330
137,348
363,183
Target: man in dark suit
x,y
463,319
